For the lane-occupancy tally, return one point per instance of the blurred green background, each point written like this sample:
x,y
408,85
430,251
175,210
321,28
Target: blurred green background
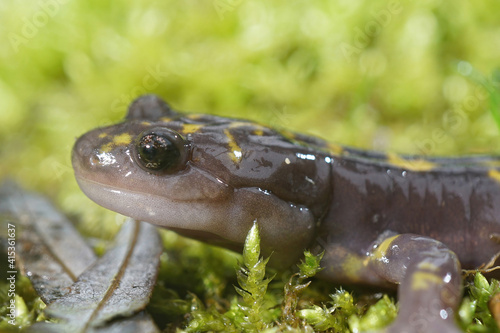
x,y
404,76
400,76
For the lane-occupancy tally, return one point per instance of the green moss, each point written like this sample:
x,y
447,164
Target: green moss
x,y
28,306
253,312
376,317
256,308
295,286
333,315
474,313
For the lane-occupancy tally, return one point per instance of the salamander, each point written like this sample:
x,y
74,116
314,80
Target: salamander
x,y
382,219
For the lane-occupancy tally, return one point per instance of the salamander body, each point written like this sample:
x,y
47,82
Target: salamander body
x,y
382,219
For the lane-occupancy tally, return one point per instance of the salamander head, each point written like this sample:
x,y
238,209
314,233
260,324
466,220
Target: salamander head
x,y
206,177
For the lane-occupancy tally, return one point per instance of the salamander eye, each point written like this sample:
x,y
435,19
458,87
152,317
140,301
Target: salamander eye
x,y
161,150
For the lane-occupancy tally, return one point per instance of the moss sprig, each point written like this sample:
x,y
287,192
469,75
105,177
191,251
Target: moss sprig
x,y
475,312
253,283
308,268
251,314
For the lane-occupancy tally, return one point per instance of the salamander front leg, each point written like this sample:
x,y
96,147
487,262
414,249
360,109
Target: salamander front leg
x,y
429,278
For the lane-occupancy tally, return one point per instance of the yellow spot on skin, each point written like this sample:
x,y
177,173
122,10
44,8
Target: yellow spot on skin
x,y
335,149
118,140
102,135
428,266
235,150
122,139
287,160
238,124
258,132
106,148
425,280
257,128
367,261
195,116
495,174
413,165
191,128
145,123
381,250
166,119
289,135
352,266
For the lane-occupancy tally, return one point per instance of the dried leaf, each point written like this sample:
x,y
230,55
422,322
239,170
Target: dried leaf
x,y
109,296
51,251
118,285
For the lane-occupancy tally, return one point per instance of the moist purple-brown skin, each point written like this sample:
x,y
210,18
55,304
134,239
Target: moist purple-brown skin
x,y
382,219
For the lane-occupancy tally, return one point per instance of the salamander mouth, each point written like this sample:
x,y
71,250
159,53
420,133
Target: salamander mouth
x,y
184,218
203,219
